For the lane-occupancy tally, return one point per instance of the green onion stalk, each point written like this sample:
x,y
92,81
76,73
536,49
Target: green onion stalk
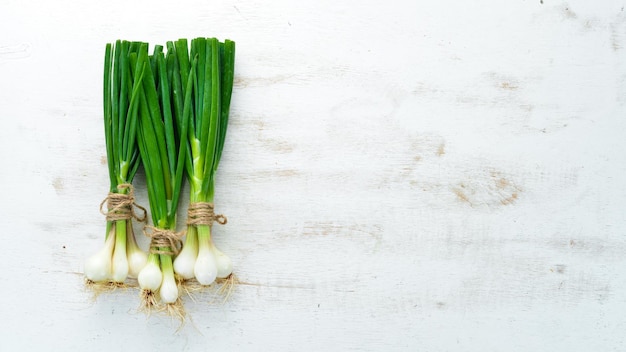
x,y
211,94
162,139
121,256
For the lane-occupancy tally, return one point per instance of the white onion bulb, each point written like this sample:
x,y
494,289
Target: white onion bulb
x,y
120,262
205,269
185,261
98,266
150,276
169,290
223,263
137,260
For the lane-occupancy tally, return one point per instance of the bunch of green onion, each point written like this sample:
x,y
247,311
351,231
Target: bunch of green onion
x,y
213,72
162,131
120,257
170,112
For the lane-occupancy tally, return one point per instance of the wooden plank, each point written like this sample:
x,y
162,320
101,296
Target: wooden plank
x,y
439,176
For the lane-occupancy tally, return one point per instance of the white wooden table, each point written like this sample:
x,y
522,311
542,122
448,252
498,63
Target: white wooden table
x,y
398,176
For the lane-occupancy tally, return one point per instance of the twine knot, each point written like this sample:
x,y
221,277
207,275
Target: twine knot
x,y
202,213
163,241
121,206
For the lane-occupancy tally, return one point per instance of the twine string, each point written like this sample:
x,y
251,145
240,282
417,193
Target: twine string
x,y
202,213
121,206
163,241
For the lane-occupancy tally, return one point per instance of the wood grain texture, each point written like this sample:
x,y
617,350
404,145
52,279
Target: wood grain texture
x,y
398,175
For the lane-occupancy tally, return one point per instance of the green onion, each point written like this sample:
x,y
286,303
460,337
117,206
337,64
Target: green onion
x,y
213,77
120,257
170,112
162,139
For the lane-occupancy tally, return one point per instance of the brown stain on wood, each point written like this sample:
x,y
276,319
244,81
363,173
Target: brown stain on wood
x,y
277,145
58,184
274,144
371,235
616,34
425,146
260,125
508,191
490,190
241,82
461,195
508,86
441,150
502,183
615,43
335,228
560,268
509,200
269,174
287,173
